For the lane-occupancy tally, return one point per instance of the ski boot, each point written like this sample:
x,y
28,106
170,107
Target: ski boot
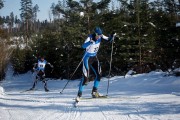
x,y
31,88
95,93
77,99
86,81
45,88
34,84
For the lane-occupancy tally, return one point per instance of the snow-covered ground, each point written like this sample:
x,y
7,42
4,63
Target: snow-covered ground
x,y
139,97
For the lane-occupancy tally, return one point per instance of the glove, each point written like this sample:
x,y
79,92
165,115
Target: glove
x,y
52,66
113,34
34,69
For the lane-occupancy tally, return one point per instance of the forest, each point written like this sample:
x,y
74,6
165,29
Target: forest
x,y
148,36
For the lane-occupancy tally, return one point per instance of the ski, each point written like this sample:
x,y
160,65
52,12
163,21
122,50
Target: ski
x,y
176,93
28,90
75,104
83,98
107,97
77,100
100,97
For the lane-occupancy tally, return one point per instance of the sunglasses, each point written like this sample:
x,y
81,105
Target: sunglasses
x,y
97,34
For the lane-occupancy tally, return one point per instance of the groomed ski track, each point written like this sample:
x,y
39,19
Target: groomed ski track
x,y
129,99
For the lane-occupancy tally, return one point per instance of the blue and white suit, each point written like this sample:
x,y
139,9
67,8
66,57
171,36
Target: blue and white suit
x,y
39,67
91,62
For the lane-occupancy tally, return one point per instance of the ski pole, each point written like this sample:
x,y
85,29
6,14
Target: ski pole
x,y
74,72
72,75
110,66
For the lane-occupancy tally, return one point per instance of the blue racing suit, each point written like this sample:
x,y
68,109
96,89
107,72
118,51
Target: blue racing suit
x,y
39,67
91,62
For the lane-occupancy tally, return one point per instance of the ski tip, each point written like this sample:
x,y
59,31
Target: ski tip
x,y
75,104
61,93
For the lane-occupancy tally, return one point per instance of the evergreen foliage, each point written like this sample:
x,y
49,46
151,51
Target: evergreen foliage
x,y
147,35
1,4
5,53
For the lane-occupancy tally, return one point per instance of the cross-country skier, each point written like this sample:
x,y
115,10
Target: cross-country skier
x,y
39,67
91,62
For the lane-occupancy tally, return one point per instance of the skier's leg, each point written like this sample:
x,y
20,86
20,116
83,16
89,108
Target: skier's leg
x,y
86,64
84,79
45,86
81,87
97,71
35,82
45,82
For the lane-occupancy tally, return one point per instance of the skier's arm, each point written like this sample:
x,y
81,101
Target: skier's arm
x,y
110,38
50,64
87,43
35,66
105,37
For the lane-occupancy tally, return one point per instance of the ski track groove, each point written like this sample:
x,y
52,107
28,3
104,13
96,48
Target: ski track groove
x,y
10,115
41,114
121,108
45,116
135,110
68,111
105,116
136,116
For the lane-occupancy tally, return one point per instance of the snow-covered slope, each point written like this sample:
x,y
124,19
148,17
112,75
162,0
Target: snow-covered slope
x,y
1,91
138,97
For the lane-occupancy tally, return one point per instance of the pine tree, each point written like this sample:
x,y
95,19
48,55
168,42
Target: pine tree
x,y
26,16
11,21
17,23
35,11
1,4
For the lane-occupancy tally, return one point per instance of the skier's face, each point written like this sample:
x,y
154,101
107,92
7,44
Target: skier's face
x,y
42,59
97,36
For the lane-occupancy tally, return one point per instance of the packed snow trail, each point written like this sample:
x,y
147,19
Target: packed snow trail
x,y
138,97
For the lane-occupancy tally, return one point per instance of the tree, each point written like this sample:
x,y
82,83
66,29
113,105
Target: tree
x,y
54,11
35,10
146,33
1,4
17,23
1,21
11,21
26,16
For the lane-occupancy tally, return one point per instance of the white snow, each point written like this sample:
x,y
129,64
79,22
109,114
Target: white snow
x,y
150,96
1,91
